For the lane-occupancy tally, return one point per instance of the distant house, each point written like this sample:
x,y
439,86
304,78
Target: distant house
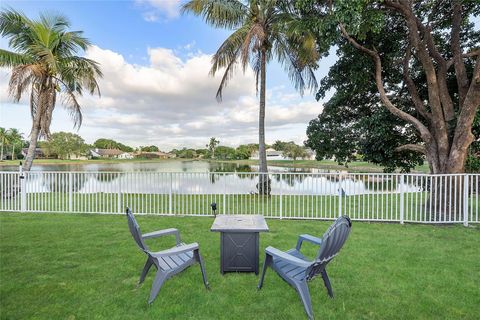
x,y
153,155
311,155
126,155
272,154
106,153
77,157
40,153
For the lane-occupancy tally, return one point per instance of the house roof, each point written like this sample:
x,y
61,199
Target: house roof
x,y
108,152
157,153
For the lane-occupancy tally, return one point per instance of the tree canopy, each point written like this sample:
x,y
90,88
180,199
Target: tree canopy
x,y
66,144
407,81
104,143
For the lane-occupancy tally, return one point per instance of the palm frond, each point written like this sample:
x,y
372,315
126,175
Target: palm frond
x,y
12,59
256,63
219,13
56,23
229,49
76,72
227,57
22,77
227,75
17,28
70,42
70,102
301,74
254,40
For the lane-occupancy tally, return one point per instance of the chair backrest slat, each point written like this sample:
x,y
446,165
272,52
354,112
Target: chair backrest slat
x,y
333,239
135,231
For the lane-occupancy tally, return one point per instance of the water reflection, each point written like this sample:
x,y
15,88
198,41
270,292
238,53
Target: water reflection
x,y
190,177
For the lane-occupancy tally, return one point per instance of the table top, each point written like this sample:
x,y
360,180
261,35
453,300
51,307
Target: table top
x,y
239,223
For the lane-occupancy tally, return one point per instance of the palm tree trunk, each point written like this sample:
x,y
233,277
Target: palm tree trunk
x,y
1,153
13,151
264,183
27,165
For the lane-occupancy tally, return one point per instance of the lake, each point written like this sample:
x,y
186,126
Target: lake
x,y
159,166
203,177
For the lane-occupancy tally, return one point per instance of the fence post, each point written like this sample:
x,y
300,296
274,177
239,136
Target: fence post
x,y
70,192
340,211
119,196
465,200
281,197
402,200
170,208
23,192
225,193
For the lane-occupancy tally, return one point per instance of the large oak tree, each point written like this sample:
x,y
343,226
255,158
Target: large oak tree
x,y
433,46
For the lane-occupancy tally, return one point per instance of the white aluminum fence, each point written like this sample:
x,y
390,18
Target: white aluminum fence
x,y
400,198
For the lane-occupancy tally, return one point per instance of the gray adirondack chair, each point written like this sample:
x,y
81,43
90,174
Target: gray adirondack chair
x,y
297,270
167,262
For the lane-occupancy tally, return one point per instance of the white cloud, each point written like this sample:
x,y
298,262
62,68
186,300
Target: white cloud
x,y
155,9
171,103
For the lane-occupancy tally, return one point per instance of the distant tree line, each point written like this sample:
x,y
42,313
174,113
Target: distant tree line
x,y
66,145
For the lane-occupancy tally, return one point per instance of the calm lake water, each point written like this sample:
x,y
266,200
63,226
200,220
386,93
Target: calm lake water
x,y
161,166
204,177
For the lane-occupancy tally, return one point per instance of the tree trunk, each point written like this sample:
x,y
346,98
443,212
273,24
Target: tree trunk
x,y
27,164
446,190
13,152
264,182
1,152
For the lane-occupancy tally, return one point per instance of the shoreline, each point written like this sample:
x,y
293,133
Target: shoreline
x,y
357,166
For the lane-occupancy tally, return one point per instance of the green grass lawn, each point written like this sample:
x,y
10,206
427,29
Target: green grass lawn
x,y
72,266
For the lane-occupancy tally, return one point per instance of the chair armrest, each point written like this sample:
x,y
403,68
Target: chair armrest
x,y
161,233
287,257
177,250
309,238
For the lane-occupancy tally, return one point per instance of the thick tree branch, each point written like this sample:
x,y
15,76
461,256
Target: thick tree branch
x,y
422,129
412,89
447,103
421,53
411,147
463,133
435,98
470,54
460,71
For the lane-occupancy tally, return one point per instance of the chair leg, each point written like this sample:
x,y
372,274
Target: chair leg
x,y
160,278
267,263
146,268
199,259
304,293
327,283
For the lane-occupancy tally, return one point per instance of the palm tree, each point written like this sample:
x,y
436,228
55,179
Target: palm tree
x,y
263,30
15,138
212,144
44,63
4,138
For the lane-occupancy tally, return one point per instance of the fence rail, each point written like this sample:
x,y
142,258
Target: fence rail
x,y
417,198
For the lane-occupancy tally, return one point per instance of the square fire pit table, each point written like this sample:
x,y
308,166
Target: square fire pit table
x,y
239,240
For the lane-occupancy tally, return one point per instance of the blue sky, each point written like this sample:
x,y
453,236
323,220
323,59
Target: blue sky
x,y
156,88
